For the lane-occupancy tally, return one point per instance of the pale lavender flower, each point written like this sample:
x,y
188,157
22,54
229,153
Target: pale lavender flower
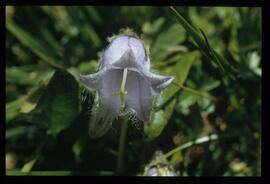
x,y
123,82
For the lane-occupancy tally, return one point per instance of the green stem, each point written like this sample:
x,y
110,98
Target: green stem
x,y
190,29
121,149
181,87
59,173
195,92
190,143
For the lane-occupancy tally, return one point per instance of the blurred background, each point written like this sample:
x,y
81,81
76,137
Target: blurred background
x,y
46,112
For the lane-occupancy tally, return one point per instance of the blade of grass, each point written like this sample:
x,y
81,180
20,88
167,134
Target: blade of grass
x,y
219,60
12,108
78,18
210,51
93,15
17,131
191,143
190,30
51,40
204,45
46,54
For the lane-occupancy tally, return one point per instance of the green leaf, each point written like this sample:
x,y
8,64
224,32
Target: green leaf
x,y
93,14
202,19
13,132
58,105
88,32
23,104
154,27
50,38
18,76
88,66
40,48
160,117
13,108
166,41
190,30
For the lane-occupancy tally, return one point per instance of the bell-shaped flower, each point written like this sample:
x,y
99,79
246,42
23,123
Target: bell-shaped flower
x,y
123,82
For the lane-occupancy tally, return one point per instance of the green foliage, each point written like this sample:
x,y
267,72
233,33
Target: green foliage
x,y
166,101
214,53
58,106
41,49
202,42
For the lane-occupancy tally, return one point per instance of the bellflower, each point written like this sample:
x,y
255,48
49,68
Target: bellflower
x,y
123,82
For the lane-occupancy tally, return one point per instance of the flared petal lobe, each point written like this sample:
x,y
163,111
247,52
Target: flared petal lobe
x,y
93,81
107,106
158,82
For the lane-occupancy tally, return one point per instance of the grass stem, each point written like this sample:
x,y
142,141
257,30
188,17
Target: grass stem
x,y
190,143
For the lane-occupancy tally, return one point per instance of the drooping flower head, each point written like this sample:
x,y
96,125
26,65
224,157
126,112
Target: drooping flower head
x,y
123,82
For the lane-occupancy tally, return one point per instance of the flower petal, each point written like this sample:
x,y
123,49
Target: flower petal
x,y
126,51
139,96
127,60
139,52
110,86
99,124
92,81
108,106
115,50
158,82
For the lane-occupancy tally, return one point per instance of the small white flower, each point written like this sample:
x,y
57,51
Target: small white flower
x,y
124,81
